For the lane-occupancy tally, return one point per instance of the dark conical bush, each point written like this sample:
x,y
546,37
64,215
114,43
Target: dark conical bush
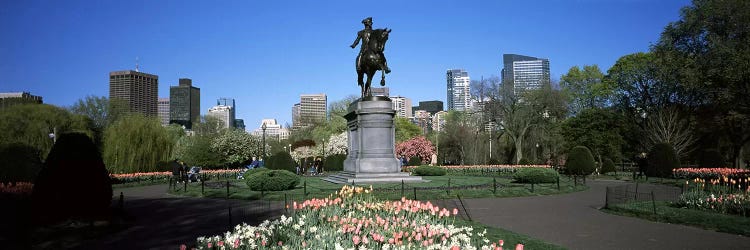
x,y
711,158
73,183
608,166
414,161
580,161
282,160
335,162
662,159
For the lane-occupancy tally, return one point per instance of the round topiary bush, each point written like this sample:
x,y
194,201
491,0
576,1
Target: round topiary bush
x,y
282,160
253,171
429,171
662,159
580,161
711,158
414,161
272,180
335,162
73,183
535,175
608,166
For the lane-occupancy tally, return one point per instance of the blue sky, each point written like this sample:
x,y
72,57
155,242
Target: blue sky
x,y
266,53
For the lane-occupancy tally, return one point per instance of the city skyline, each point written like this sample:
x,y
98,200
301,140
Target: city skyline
x,y
264,55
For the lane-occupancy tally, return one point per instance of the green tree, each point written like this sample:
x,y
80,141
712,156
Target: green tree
x,y
405,129
237,146
32,124
707,53
135,143
196,151
597,129
210,126
586,88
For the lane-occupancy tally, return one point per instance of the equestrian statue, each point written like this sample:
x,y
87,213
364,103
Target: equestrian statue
x,y
370,58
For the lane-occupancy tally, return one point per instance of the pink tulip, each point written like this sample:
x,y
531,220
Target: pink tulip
x,y
519,246
183,247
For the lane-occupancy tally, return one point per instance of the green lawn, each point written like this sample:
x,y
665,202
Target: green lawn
x,y
435,189
670,214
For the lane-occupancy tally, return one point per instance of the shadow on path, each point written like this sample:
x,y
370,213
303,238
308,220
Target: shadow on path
x,y
158,220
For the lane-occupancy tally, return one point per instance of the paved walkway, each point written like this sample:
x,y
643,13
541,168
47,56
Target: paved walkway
x,y
158,220
574,221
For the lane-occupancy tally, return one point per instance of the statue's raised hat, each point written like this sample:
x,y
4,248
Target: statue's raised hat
x,y
368,19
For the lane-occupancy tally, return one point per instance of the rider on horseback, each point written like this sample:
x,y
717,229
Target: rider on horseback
x,y
364,34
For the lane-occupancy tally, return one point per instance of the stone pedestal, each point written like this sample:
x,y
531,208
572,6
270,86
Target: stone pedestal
x,y
371,134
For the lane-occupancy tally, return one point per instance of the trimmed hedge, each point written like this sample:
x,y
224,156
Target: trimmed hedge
x,y
535,175
429,171
608,166
580,161
272,180
334,162
662,159
19,162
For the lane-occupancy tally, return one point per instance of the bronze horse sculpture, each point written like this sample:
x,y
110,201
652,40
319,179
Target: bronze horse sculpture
x,y
372,60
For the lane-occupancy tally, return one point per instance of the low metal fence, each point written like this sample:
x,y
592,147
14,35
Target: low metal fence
x,y
642,197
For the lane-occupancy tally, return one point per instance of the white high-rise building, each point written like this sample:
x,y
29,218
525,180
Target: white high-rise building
x,y
459,95
224,113
402,105
163,110
274,131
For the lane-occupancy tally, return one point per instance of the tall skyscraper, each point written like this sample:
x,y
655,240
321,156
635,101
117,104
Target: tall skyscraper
x,y
402,105
136,89
459,96
524,72
229,102
184,103
312,108
164,111
296,115
224,113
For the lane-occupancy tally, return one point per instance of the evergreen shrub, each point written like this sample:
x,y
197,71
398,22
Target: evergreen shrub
x,y
414,161
580,161
334,162
272,180
608,166
662,159
282,160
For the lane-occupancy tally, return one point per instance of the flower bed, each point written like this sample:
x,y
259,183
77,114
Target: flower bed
x,y
733,203
164,176
353,219
709,173
20,188
486,170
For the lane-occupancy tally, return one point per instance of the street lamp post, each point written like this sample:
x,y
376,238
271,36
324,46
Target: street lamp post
x,y
263,127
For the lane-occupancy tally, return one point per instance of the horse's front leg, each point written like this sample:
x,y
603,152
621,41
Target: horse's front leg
x,y
382,78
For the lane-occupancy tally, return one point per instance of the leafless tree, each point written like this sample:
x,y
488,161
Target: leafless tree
x,y
667,126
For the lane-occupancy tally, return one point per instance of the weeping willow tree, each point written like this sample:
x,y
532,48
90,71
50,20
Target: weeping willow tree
x,y
135,143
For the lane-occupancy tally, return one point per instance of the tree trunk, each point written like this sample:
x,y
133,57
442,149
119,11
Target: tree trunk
x,y
519,149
